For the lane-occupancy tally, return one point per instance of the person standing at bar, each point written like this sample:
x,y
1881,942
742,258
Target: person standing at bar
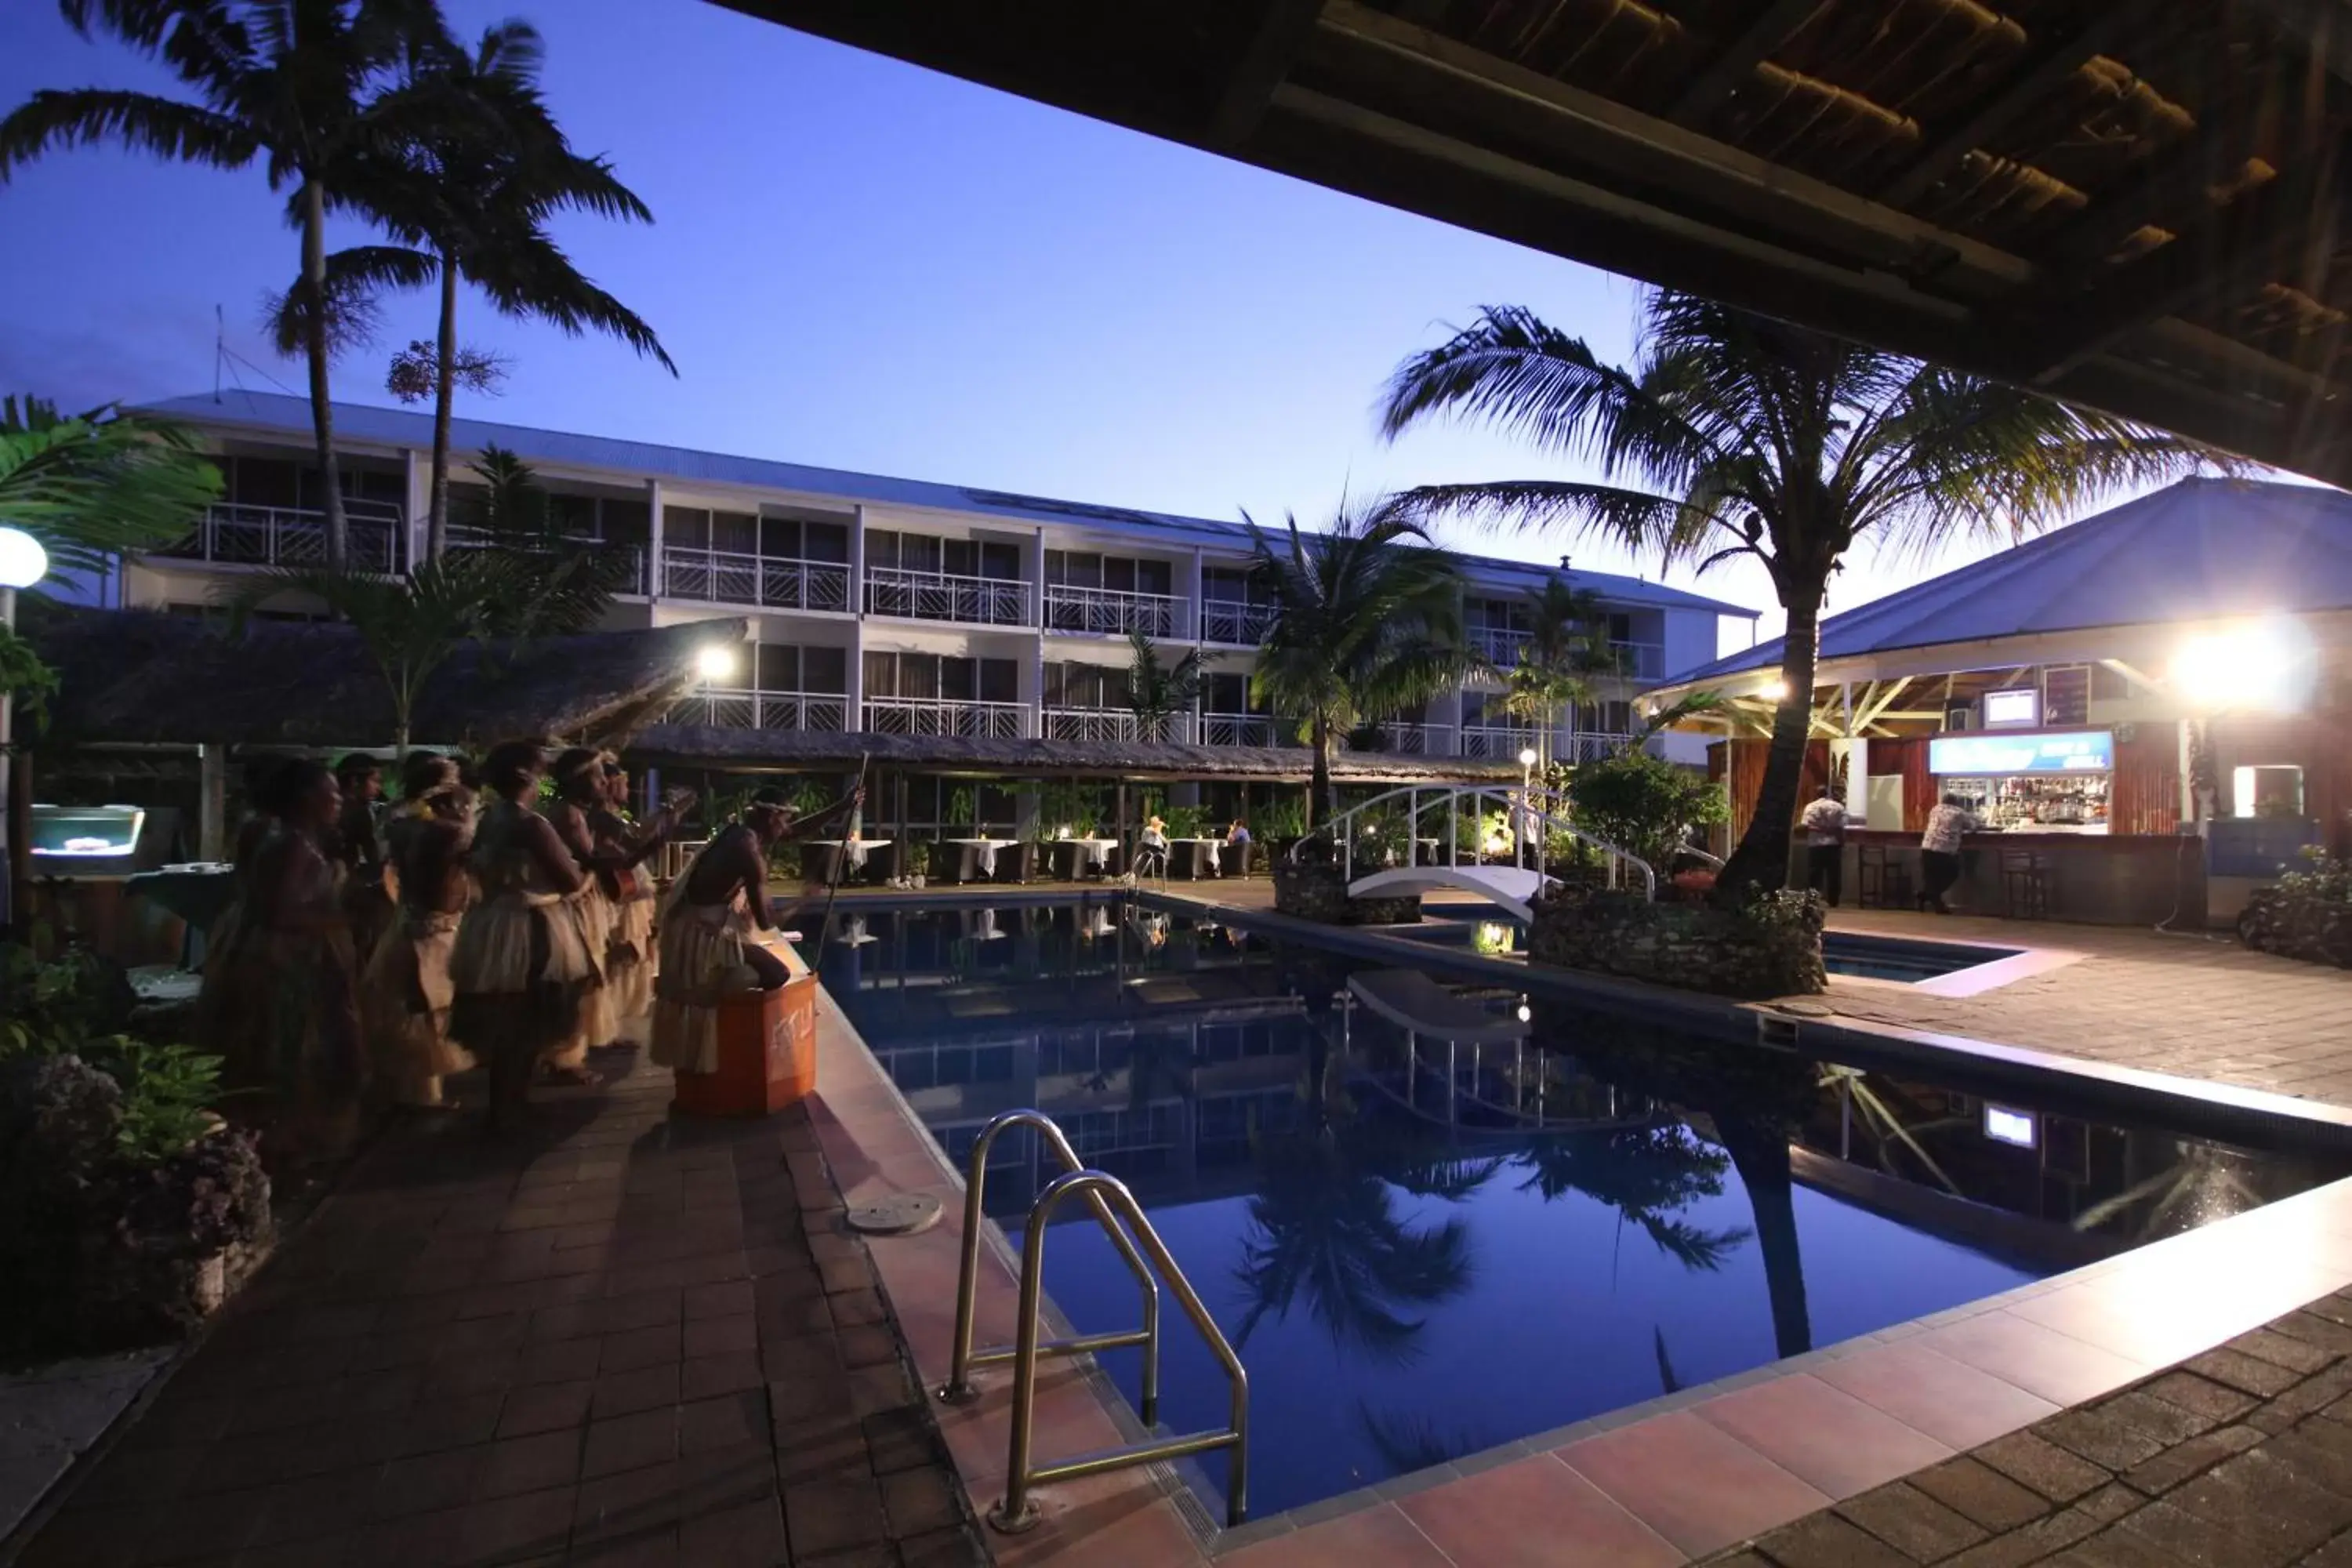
x,y
1824,826
1939,851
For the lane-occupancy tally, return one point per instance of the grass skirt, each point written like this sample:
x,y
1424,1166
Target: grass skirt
x,y
405,1000
629,960
522,973
702,948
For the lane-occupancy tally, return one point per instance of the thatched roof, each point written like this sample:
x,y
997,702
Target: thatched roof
x,y
792,750
147,677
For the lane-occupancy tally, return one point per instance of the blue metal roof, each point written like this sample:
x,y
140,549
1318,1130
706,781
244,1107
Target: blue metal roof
x,y
2202,549
399,428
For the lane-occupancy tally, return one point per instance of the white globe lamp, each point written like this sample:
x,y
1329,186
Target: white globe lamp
x,y
23,562
715,664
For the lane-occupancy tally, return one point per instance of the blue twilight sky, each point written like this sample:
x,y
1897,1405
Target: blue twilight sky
x,y
856,264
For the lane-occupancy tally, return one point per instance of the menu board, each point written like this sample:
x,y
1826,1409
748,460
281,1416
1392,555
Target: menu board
x,y
1985,755
2066,694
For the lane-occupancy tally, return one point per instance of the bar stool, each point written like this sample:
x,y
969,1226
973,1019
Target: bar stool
x,y
1882,878
2025,876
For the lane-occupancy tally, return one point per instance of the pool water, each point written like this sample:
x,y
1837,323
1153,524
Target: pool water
x,y
1433,1220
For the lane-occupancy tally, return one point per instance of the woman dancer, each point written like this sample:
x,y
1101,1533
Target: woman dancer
x,y
629,958
521,971
406,994
280,1000
719,902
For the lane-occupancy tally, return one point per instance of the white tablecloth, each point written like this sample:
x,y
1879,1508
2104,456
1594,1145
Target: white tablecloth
x,y
857,849
984,851
1213,845
1092,851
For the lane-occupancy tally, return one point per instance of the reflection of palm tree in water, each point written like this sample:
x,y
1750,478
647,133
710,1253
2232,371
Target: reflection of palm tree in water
x,y
1324,1226
1648,1174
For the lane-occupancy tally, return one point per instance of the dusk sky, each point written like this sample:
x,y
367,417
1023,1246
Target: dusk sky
x,y
857,264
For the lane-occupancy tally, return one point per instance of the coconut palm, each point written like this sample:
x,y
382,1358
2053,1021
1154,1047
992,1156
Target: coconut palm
x,y
322,92
1732,436
1649,1174
1367,622
91,487
475,198
1567,646
1156,693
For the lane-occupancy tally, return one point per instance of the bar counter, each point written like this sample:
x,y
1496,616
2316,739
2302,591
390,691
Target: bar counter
x,y
2097,879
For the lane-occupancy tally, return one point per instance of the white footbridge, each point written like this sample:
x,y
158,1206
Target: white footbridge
x,y
1493,842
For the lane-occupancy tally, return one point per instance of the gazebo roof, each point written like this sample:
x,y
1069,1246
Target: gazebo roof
x,y
2199,550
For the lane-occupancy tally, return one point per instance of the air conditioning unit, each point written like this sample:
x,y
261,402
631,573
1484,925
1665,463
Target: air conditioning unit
x,y
1961,716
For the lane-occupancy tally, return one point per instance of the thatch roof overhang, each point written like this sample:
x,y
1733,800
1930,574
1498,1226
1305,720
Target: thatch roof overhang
x,y
2125,203
803,751
143,677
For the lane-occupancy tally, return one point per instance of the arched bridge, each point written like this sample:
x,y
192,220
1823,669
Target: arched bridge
x,y
1470,839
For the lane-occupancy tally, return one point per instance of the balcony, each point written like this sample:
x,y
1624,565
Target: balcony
x,y
1233,623
232,533
1410,740
769,582
735,708
1587,745
946,716
1113,724
1244,729
463,539
945,596
1497,645
1640,661
1112,611
1493,742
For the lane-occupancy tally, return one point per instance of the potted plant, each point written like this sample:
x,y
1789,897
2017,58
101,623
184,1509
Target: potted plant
x,y
919,862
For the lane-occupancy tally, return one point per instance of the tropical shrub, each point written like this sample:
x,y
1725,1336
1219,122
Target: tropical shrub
x,y
2305,914
1643,804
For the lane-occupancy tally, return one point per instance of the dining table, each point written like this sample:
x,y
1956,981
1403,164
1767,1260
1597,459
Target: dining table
x,y
855,849
1197,856
1085,855
984,851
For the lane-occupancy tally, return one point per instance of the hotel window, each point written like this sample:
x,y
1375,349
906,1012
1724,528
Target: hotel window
x,y
1089,686
887,549
1228,585
925,675
788,667
805,539
1077,569
1227,694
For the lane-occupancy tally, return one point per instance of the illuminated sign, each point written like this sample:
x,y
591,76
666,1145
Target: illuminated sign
x,y
2005,1126
2020,707
1975,752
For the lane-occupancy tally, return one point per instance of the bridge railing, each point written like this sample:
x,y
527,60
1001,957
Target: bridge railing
x,y
1503,827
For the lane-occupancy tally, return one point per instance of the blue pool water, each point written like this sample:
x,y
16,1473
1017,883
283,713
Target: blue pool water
x,y
1430,1226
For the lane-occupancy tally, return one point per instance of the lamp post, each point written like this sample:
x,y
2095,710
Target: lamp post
x,y
23,562
1527,823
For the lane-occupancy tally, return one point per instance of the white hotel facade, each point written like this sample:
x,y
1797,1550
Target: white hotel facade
x,y
885,605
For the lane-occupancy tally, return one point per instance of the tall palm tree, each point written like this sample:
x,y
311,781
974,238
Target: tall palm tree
x,y
320,91
1649,1174
1367,621
476,198
1567,646
91,487
1156,693
1732,436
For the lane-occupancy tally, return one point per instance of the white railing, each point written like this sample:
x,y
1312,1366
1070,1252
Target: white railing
x,y
1640,661
1113,611
945,596
1113,724
771,581
1586,745
1496,645
1233,623
1410,740
1500,742
233,533
463,539
1426,823
739,708
1241,729
946,716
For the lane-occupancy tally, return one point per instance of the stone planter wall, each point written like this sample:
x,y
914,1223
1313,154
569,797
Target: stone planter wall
x,y
1695,947
2317,930
1312,889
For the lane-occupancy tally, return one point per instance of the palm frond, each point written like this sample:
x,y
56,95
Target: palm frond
x,y
55,119
354,279
100,484
530,276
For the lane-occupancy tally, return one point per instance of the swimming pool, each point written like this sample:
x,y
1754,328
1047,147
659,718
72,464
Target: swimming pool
x,y
1431,1225
1863,955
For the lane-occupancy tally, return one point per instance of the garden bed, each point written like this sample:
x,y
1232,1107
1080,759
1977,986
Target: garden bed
x,y
1770,948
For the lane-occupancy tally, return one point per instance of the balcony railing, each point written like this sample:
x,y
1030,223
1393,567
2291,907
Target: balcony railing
x,y
1243,729
1234,624
745,709
1586,745
944,596
1112,611
946,716
1496,645
234,534
1114,724
1412,739
1495,741
463,539
1640,661
770,582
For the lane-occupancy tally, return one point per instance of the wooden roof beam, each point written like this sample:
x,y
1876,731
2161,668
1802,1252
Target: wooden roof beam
x,y
1282,31
1997,112
1731,70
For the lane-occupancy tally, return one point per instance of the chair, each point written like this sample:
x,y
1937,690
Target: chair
x,y
1882,878
2025,878
885,864
1017,862
955,863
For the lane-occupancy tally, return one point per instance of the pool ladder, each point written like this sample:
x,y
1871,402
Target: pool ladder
x,y
1112,1203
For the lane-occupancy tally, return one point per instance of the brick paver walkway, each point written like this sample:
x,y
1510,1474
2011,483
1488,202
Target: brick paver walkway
x,y
2184,1005
2241,1458
623,1338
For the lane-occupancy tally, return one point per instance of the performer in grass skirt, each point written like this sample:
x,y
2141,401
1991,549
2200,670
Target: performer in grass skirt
x,y
521,969
622,848
406,993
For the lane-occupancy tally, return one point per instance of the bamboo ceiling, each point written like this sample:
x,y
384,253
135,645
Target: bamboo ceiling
x,y
2134,203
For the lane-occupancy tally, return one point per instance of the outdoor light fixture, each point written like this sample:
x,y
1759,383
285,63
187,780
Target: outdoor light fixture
x,y
23,562
1526,756
1526,1013
2267,665
2005,1126
1774,691
714,663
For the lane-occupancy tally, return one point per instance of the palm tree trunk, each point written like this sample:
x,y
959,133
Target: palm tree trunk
x,y
1761,860
445,356
1318,791
314,344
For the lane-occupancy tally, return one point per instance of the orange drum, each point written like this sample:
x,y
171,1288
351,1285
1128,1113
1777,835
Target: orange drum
x,y
767,1053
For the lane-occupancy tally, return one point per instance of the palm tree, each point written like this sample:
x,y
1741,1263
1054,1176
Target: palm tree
x,y
1736,436
412,624
320,91
1156,693
95,486
1367,621
1567,646
476,198
1649,1174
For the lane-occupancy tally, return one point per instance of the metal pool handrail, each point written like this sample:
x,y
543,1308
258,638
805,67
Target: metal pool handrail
x,y
1016,1512
959,1388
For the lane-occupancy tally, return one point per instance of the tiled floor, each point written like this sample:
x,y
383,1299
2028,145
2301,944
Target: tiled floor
x,y
624,1338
